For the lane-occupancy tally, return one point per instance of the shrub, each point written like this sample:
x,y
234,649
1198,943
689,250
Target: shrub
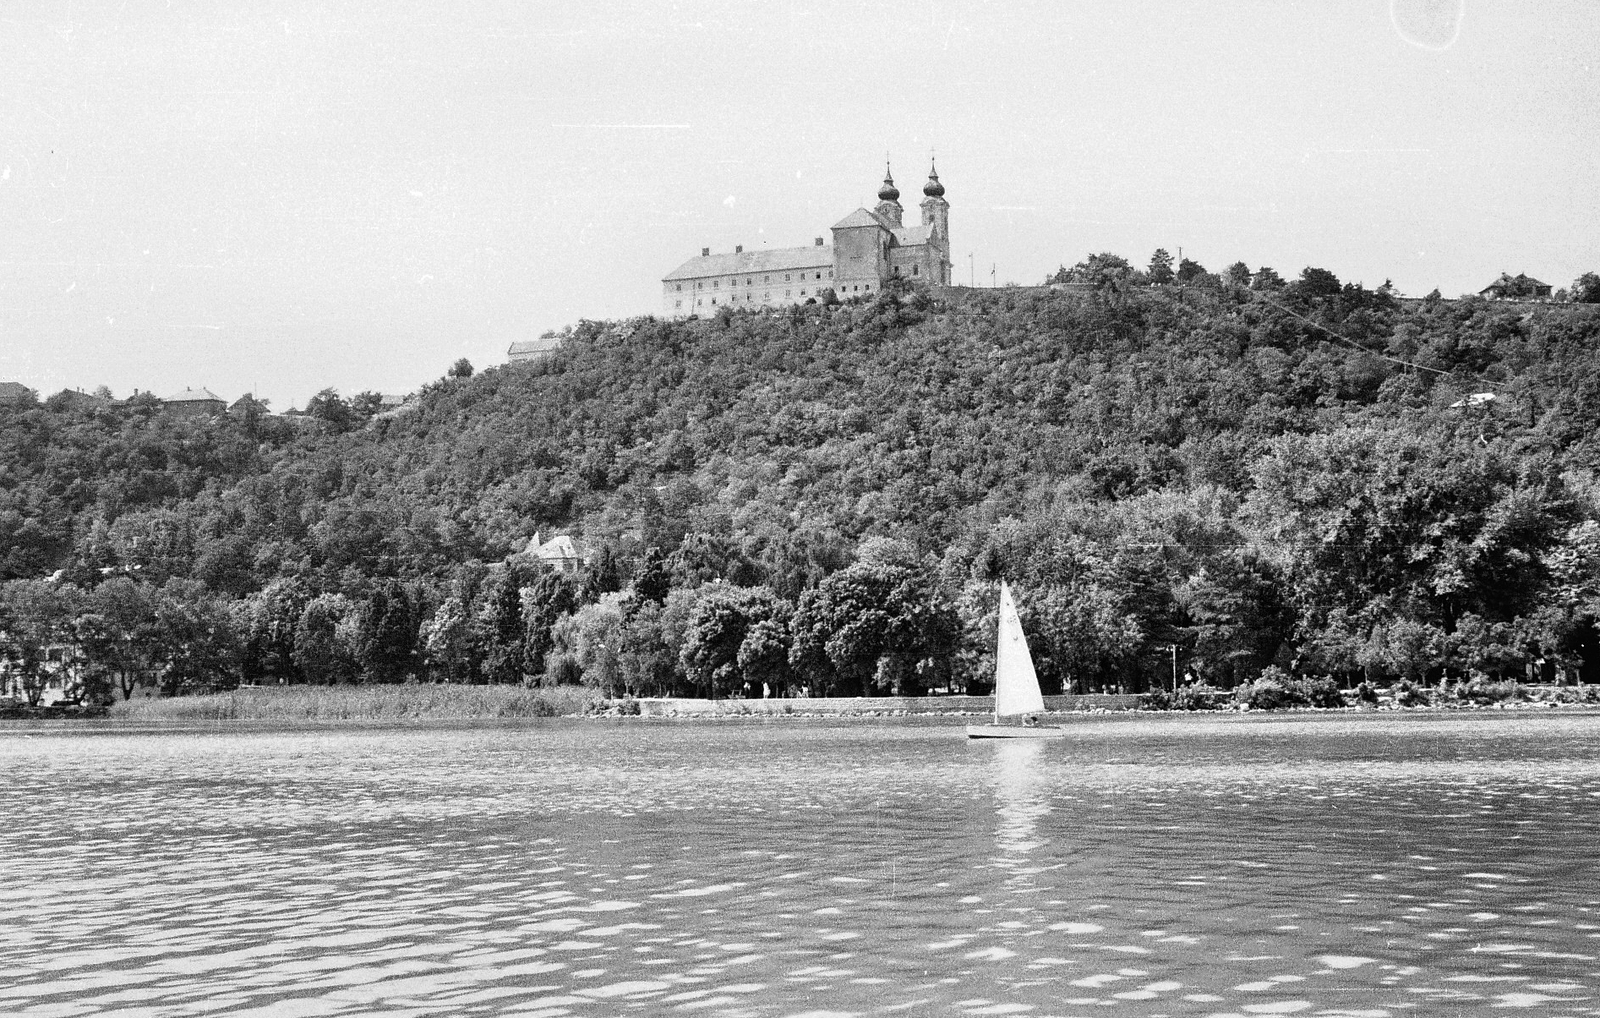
x,y
1366,693
1156,699
1276,689
1199,697
1406,693
1481,690
1321,692
1265,693
564,670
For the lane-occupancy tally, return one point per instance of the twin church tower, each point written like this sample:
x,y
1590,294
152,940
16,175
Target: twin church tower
x,y
870,247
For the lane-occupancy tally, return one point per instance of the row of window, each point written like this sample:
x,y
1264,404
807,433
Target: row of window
x,y
700,302
716,284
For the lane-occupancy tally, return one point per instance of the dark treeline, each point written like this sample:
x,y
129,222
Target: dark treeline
x,y
1310,476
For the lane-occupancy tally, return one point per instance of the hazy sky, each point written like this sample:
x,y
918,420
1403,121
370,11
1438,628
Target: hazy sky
x,y
284,196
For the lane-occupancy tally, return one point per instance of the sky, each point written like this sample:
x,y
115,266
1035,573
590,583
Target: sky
x,y
280,197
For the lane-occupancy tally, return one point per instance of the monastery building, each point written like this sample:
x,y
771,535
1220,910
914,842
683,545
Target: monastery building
x,y
870,247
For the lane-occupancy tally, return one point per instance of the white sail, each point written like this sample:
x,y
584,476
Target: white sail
x,y
1016,686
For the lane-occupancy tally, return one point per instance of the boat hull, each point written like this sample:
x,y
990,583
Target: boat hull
x,y
1015,732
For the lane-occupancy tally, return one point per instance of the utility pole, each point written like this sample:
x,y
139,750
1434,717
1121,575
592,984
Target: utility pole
x,y
972,279
991,275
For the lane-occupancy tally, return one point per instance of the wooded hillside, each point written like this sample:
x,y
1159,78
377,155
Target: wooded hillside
x,y
1314,475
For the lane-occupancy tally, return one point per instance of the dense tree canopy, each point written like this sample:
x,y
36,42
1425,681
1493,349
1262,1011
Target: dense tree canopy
x,y
1311,475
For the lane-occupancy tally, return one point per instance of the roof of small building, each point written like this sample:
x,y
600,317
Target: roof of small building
x,y
1507,279
860,217
910,236
764,260
194,396
559,546
544,344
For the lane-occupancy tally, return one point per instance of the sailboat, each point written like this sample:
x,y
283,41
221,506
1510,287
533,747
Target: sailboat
x,y
1016,686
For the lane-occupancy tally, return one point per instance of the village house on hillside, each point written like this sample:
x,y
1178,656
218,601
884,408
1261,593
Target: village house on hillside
x,y
870,247
533,349
195,403
1518,287
559,553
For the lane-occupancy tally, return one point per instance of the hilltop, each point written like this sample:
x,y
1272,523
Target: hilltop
x,y
1318,476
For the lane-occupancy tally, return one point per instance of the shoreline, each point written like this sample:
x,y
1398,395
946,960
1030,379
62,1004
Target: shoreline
x,y
446,703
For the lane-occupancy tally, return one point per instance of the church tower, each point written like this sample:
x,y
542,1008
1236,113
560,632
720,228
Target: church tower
x,y
889,209
936,216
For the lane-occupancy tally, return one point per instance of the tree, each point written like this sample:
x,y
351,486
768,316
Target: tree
x,y
267,622
1315,284
1266,280
388,640
593,637
879,627
1237,274
35,625
327,407
1586,289
1160,271
1189,270
196,639
461,369
718,630
119,632
498,625
544,601
652,580
326,640
1097,270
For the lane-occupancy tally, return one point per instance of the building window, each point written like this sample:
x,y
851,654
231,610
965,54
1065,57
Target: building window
x,y
677,303
864,286
819,275
786,293
767,295
766,279
786,277
830,273
680,287
749,282
713,300
716,282
802,293
915,270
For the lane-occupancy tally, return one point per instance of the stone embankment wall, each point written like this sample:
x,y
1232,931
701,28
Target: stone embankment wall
x,y
866,705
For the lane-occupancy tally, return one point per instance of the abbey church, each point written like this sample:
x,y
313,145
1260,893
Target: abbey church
x,y
870,247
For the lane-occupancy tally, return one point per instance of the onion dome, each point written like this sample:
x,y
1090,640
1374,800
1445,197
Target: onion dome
x,y
888,192
933,189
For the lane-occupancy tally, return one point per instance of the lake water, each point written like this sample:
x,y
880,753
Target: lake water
x,y
1352,865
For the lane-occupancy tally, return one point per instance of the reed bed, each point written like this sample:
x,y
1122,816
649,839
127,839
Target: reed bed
x,y
364,703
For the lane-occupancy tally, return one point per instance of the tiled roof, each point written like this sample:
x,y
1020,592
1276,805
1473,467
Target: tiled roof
x,y
559,546
911,235
544,344
763,260
860,217
193,396
13,390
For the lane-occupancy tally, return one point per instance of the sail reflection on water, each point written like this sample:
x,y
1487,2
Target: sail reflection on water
x,y
1022,800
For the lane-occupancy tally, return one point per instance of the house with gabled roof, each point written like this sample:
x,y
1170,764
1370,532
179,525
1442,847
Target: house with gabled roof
x,y
195,403
1518,287
524,350
559,553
